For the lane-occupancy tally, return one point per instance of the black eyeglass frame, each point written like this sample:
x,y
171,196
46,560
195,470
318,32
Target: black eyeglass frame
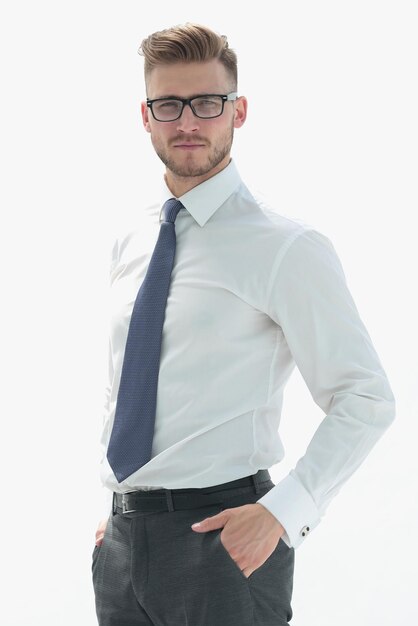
x,y
230,96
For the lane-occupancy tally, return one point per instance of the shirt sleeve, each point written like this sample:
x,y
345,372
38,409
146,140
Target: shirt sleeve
x,y
309,299
107,493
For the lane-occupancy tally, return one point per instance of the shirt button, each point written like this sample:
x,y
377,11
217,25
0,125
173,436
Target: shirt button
x,y
304,531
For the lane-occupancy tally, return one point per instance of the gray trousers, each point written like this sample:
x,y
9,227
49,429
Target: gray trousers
x,y
153,569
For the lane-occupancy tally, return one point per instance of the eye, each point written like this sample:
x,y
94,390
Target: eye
x,y
207,101
168,104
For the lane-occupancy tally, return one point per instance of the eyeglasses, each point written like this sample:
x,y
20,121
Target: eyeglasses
x,y
206,106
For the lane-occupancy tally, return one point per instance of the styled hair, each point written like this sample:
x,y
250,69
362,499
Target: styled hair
x,y
187,43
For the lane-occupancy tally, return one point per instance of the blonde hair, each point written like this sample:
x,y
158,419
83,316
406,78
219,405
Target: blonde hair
x,y
186,43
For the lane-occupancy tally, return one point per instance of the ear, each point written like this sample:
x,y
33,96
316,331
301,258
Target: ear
x,y
240,114
145,117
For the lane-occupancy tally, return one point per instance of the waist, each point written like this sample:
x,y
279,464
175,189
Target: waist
x,y
178,499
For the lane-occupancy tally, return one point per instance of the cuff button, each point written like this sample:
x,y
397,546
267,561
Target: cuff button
x,y
304,531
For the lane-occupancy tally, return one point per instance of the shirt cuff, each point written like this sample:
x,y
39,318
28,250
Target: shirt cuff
x,y
294,508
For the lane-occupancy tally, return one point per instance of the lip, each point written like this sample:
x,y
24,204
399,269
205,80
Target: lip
x,y
189,146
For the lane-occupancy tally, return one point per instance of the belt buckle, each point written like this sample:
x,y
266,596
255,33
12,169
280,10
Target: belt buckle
x,y
124,505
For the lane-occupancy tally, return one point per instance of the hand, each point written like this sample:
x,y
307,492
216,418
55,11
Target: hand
x,y
101,531
250,534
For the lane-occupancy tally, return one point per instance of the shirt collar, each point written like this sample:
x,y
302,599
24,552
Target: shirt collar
x,y
203,200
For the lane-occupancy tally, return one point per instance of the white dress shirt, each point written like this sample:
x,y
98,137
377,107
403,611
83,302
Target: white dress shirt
x,y
252,294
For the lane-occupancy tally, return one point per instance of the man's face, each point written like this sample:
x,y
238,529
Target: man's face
x,y
214,136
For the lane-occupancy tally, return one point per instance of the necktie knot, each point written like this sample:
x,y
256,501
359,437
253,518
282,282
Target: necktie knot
x,y
170,209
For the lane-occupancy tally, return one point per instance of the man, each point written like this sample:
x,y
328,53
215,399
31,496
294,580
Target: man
x,y
209,317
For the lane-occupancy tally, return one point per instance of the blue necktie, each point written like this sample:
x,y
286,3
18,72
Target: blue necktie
x,y
130,443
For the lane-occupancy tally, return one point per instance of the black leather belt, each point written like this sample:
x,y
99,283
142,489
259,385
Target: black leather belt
x,y
177,499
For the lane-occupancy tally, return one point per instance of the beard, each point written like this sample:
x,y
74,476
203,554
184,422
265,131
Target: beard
x,y
191,168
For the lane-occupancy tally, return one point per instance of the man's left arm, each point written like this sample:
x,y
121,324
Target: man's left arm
x,y
310,300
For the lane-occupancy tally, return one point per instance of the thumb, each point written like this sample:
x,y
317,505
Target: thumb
x,y
209,523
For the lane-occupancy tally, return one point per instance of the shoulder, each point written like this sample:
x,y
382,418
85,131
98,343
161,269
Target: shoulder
x,y
132,225
287,230
298,250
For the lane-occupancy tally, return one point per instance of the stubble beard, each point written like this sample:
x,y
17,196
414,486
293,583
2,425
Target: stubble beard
x,y
190,168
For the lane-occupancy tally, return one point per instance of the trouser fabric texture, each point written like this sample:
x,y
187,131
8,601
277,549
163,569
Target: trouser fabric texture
x,y
153,569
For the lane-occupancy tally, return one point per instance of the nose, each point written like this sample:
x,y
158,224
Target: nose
x,y
187,120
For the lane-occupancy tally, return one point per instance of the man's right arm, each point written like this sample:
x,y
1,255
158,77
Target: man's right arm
x,y
107,493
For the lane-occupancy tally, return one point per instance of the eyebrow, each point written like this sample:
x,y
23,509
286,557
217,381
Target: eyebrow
x,y
206,93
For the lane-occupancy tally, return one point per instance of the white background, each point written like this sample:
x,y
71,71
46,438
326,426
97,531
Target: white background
x,y
331,135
